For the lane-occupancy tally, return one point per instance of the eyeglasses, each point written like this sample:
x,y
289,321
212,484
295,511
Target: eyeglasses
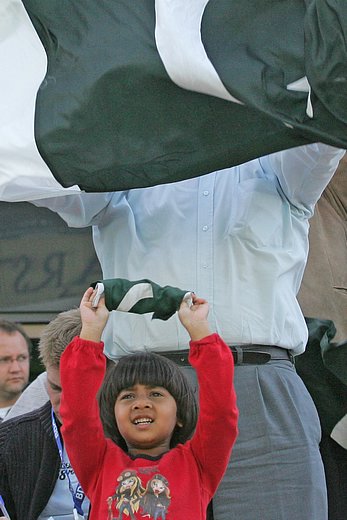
x,y
6,361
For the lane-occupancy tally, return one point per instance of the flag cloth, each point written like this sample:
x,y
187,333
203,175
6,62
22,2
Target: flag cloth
x,y
115,94
141,297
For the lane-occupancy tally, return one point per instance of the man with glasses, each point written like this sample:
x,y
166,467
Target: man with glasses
x,y
15,348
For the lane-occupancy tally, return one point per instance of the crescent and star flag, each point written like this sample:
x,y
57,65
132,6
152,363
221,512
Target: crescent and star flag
x,y
105,95
140,297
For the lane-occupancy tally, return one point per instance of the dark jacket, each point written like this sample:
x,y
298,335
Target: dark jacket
x,y
29,463
323,369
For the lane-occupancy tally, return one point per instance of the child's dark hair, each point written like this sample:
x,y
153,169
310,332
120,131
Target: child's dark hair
x,y
154,370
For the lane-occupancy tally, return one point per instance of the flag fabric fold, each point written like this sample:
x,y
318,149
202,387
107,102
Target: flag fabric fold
x,y
113,95
141,297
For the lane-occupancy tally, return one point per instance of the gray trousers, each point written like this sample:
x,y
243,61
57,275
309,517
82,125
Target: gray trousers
x,y
275,470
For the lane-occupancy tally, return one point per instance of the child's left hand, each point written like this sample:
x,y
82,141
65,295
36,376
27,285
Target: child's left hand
x,y
94,319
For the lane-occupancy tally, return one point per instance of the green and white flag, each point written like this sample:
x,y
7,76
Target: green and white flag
x,y
140,297
106,95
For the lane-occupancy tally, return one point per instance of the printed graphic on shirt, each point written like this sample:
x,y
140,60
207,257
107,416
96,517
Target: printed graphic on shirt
x,y
156,498
131,497
64,470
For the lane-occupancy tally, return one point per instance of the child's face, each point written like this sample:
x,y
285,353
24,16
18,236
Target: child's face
x,y
146,417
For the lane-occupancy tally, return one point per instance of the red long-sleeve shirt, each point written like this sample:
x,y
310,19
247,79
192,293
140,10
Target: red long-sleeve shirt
x,y
189,473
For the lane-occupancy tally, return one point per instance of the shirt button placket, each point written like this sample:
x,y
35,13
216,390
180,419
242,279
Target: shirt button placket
x,y
205,236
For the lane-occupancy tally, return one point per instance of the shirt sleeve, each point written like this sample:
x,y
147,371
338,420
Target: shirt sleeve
x,y
78,210
216,429
82,369
304,172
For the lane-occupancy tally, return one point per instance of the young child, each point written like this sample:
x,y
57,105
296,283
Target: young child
x,y
155,461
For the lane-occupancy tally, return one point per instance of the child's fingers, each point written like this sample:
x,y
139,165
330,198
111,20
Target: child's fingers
x,y
198,301
192,303
87,295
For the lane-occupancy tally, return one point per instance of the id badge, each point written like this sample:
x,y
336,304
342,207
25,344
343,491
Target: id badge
x,y
76,515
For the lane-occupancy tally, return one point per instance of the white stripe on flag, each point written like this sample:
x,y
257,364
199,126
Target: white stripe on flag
x,y
302,85
23,63
137,292
339,433
178,39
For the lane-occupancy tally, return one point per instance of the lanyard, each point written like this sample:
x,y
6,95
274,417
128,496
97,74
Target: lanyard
x,y
78,493
3,508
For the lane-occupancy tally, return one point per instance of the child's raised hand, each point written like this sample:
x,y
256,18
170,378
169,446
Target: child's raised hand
x,y
194,317
94,319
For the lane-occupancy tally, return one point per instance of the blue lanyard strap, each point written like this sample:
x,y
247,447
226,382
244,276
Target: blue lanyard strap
x,y
3,508
77,494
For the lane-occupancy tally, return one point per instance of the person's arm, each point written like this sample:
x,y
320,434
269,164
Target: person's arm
x,y
216,429
304,172
5,487
194,317
82,369
94,319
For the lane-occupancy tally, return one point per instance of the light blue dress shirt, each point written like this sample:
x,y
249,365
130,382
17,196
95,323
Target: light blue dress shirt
x,y
237,237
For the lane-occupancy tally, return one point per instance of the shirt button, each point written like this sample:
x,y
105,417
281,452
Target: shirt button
x,y
205,193
205,228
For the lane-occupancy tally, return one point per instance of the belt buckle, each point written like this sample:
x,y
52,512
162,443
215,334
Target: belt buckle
x,y
183,359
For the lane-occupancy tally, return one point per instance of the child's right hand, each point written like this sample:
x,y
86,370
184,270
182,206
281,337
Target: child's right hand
x,y
94,319
194,318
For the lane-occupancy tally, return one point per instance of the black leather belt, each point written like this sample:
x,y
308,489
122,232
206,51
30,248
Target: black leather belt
x,y
242,354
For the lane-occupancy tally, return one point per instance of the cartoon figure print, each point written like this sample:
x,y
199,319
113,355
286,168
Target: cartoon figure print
x,y
156,498
127,496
